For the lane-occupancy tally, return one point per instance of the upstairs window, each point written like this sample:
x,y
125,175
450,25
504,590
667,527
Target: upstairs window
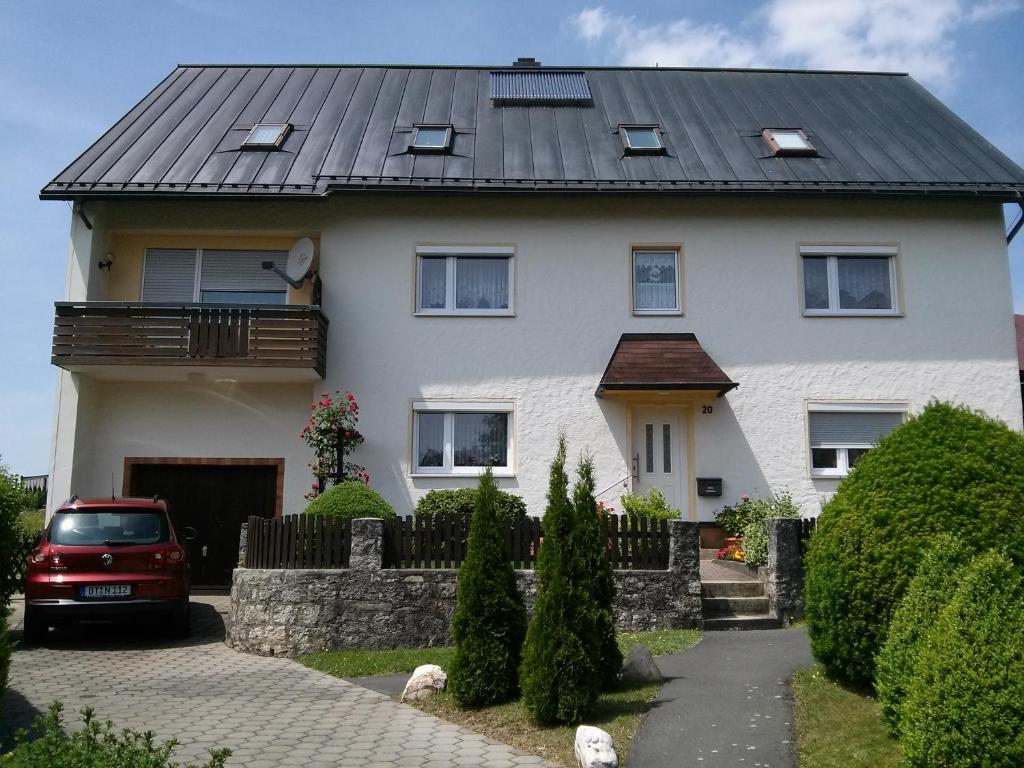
x,y
464,280
266,136
656,282
212,276
641,139
452,438
431,138
849,280
788,142
841,433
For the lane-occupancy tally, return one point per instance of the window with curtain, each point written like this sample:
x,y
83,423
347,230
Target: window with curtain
x,y
656,282
464,283
454,438
840,434
848,282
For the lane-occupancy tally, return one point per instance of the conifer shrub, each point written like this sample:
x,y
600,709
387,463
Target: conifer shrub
x,y
458,503
350,500
947,470
928,593
489,624
558,677
965,704
593,547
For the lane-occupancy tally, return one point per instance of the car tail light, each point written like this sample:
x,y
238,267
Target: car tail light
x,y
173,556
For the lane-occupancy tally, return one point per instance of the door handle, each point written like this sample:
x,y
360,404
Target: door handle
x,y
636,465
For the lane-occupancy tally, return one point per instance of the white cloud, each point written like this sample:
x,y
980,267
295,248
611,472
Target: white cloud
x,y
903,35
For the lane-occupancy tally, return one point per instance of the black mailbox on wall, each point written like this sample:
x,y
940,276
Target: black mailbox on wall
x,y
709,486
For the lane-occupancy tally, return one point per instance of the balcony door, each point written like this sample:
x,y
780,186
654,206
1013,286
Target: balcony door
x,y
659,453
212,276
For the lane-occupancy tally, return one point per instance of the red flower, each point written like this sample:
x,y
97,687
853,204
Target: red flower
x,y
350,397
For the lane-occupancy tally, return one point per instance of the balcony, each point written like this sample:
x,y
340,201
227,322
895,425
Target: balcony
x,y
289,343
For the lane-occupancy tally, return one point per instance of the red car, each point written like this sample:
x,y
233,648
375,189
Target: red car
x,y
107,558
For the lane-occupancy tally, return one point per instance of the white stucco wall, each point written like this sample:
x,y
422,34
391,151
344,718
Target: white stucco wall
x,y
742,300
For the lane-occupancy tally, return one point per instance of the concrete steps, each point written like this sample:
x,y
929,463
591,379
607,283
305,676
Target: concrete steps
x,y
735,604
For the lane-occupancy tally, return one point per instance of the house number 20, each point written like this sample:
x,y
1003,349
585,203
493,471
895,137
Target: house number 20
x,y
707,409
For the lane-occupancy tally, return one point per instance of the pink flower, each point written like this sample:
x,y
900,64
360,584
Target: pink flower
x,y
348,434
350,397
744,498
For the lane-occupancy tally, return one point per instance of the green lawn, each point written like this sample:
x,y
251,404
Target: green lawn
x,y
366,663
32,521
618,712
837,727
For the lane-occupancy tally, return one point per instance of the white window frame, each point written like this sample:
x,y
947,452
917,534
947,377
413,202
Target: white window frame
x,y
449,408
675,250
842,468
832,254
452,253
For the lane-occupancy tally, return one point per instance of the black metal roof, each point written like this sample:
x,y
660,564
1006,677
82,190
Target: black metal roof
x,y
874,132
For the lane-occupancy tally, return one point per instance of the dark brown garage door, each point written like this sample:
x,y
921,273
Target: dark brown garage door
x,y
215,500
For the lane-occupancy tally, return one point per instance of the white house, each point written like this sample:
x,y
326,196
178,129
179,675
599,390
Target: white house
x,y
718,282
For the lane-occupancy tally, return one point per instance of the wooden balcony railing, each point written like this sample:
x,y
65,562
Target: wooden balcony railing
x,y
116,333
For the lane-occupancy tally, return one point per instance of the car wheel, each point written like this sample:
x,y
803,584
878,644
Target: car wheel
x,y
181,620
35,627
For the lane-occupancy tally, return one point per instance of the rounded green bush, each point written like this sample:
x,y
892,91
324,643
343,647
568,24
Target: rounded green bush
x,y
457,503
947,470
930,590
965,705
350,500
489,623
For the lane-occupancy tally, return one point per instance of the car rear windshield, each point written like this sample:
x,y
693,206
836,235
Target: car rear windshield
x,y
118,527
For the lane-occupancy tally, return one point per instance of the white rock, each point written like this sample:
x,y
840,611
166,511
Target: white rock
x,y
639,666
594,748
426,680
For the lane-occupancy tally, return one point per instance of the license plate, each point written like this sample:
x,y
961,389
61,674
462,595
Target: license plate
x,y
112,590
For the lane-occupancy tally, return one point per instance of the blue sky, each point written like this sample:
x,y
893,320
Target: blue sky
x,y
68,70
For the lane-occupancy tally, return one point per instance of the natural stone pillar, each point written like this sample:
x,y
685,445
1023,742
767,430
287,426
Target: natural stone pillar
x,y
785,569
243,543
683,547
367,548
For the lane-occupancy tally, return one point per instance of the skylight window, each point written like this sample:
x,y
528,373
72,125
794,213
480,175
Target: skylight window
x,y
266,136
431,138
788,142
641,139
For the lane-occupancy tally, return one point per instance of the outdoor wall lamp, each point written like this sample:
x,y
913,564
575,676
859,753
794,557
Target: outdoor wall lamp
x,y
107,262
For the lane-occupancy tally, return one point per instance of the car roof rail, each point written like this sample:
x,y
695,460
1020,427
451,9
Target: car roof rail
x,y
156,497
73,499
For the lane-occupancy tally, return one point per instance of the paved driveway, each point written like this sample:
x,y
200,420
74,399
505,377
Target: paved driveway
x,y
270,712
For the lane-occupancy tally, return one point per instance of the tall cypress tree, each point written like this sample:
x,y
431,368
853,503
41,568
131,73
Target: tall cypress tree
x,y
490,620
597,575
559,678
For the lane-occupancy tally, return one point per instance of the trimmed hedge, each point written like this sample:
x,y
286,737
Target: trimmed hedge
x,y
947,470
457,503
930,590
489,624
350,500
965,705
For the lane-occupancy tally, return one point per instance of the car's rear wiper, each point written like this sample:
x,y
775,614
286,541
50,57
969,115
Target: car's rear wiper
x,y
110,543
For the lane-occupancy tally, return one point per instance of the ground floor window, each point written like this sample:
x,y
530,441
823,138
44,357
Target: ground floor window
x,y
841,433
461,438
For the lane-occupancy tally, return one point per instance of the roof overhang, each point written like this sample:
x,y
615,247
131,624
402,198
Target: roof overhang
x,y
662,367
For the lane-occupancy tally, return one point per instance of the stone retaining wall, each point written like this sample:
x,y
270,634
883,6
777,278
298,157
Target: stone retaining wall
x,y
290,612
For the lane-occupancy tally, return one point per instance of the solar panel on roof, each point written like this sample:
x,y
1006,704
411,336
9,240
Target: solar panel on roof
x,y
533,87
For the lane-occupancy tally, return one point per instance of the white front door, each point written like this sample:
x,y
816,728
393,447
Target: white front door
x,y
659,454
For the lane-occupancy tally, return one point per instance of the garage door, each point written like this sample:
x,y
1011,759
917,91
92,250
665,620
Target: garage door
x,y
215,500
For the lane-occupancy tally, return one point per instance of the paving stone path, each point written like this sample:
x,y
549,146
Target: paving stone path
x,y
727,703
271,712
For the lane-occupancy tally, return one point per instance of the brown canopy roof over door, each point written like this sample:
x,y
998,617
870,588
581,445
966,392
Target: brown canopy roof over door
x,y
662,361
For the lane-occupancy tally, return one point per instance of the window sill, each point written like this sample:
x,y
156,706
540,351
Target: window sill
x,y
457,475
658,313
824,476
849,313
467,313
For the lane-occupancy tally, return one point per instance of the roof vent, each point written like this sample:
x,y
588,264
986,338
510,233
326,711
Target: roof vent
x,y
544,88
526,62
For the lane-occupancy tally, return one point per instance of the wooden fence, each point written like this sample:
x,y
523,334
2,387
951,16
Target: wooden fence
x,y
411,542
298,541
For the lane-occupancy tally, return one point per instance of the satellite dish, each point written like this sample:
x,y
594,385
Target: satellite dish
x,y
300,259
